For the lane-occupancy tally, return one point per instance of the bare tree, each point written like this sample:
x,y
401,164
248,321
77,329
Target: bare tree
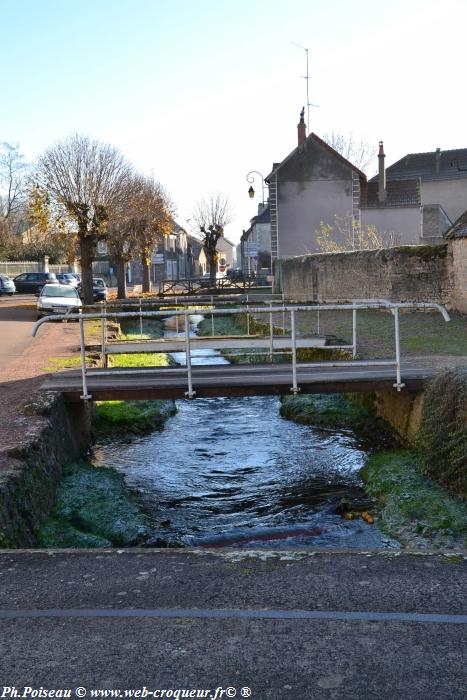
x,y
156,221
137,223
84,179
212,215
359,152
12,180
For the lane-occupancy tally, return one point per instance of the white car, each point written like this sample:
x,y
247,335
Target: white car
x,y
57,299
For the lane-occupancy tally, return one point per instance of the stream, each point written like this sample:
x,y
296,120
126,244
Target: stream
x,y
232,471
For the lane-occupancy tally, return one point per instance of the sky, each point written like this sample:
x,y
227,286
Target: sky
x,y
198,93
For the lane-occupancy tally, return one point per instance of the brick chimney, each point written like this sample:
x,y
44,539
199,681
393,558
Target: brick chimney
x,y
301,128
381,175
438,161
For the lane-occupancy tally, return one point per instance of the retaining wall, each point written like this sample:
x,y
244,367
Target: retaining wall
x,y
59,432
405,273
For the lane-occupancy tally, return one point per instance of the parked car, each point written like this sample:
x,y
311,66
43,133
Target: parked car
x,y
235,274
99,289
7,286
57,299
67,278
33,282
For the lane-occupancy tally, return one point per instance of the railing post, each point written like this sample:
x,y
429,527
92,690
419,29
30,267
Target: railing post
x,y
247,321
318,323
85,396
176,323
398,385
190,394
213,330
104,336
140,318
294,388
271,337
354,333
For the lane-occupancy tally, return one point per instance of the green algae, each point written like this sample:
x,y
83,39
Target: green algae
x,y
130,416
93,508
413,506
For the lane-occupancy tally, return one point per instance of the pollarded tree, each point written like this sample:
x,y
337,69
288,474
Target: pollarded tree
x,y
126,224
157,212
211,216
84,179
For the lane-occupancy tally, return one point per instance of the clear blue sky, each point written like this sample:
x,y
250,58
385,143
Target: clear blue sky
x,y
200,92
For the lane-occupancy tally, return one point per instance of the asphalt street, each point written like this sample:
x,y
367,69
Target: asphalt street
x,y
17,315
283,624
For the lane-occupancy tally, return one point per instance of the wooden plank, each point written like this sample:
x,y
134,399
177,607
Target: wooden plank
x,y
232,380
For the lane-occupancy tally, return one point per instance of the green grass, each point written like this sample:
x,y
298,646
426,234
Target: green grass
x,y
130,416
422,333
413,506
55,364
140,359
94,508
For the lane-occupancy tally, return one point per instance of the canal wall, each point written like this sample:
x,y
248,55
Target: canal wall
x,y
402,410
57,433
405,273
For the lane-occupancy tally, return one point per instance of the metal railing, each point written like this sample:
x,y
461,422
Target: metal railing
x,y
284,309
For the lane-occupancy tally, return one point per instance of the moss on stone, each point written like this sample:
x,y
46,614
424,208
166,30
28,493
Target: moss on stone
x,y
340,411
131,416
414,509
95,502
59,534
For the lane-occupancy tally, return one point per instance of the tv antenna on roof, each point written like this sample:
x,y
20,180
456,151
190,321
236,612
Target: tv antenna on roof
x,y
307,78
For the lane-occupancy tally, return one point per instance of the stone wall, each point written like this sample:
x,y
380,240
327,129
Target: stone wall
x,y
459,269
29,474
405,273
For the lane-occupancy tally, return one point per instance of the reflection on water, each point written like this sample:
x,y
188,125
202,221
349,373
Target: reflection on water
x,y
232,471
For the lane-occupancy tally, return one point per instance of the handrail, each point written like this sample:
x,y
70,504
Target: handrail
x,y
394,307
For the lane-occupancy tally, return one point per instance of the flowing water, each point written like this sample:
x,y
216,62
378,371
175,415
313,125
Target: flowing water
x,y
231,471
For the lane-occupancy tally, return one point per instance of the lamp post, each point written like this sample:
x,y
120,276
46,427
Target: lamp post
x,y
251,178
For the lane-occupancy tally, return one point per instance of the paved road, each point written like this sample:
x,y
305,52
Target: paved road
x,y
285,624
17,315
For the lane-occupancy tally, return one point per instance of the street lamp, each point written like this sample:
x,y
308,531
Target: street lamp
x,y
250,178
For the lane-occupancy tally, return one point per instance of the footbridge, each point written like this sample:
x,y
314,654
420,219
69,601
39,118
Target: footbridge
x,y
209,380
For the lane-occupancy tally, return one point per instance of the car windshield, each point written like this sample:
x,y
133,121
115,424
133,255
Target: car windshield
x,y
51,291
98,283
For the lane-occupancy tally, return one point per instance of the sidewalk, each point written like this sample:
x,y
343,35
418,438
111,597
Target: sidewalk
x,y
285,624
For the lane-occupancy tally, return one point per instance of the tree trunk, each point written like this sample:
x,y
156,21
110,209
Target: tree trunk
x,y
146,263
212,259
86,247
121,279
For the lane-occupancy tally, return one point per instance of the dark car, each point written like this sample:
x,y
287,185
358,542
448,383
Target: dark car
x,y
235,274
33,282
99,289
7,286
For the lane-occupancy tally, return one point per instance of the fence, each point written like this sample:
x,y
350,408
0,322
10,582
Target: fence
x,y
100,268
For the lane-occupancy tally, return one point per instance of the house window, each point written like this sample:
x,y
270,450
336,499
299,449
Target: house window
x,y
102,248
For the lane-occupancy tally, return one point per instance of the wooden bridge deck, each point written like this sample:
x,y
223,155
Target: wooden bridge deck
x,y
233,380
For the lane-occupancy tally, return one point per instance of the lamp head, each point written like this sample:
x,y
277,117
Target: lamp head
x,y
251,192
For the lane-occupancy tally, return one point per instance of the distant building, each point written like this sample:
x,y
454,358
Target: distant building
x,y
255,244
415,200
